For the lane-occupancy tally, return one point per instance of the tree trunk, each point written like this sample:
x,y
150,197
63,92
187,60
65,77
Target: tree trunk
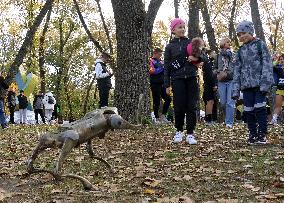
x,y
41,52
232,30
133,30
88,95
14,69
176,5
69,103
208,26
193,19
256,19
273,37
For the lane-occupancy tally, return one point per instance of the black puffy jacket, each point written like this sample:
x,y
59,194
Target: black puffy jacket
x,y
175,59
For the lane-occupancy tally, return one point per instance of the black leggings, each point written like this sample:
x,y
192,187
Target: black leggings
x,y
158,92
185,94
40,112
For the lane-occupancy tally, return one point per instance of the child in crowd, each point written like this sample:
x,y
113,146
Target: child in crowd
x,y
157,86
181,75
253,74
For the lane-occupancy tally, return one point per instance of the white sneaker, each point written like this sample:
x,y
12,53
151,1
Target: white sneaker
x,y
178,137
229,126
163,119
273,121
190,139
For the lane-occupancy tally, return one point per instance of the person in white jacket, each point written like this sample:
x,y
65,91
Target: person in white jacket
x,y
103,76
49,102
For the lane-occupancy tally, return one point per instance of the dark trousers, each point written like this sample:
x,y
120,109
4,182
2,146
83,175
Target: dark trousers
x,y
255,111
104,95
158,92
40,112
12,113
185,97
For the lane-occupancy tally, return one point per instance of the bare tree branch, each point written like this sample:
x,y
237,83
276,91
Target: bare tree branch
x,y
153,9
27,43
96,43
105,27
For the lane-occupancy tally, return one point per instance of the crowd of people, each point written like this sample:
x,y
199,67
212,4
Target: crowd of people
x,y
249,76
43,105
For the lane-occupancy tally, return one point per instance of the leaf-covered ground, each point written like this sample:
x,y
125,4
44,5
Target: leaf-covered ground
x,y
149,168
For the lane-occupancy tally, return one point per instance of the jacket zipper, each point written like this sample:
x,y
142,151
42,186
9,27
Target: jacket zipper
x,y
180,51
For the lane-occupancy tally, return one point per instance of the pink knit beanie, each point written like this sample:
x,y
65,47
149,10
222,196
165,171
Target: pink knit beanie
x,y
175,22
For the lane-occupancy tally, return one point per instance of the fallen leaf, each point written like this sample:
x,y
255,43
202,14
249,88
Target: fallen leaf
x,y
279,195
187,177
151,182
56,191
186,200
271,196
149,192
227,200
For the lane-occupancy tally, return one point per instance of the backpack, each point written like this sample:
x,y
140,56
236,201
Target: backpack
x,y
50,100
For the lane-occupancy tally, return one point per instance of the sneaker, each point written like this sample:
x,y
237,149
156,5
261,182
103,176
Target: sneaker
x,y
273,122
251,140
4,126
178,137
261,139
209,123
190,139
157,122
163,119
229,126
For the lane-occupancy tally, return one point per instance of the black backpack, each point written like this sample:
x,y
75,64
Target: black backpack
x,y
50,100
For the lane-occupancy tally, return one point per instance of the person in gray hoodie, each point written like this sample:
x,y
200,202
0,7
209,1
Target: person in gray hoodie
x,y
253,74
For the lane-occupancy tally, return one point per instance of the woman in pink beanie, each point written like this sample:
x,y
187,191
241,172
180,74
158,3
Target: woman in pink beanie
x,y
181,75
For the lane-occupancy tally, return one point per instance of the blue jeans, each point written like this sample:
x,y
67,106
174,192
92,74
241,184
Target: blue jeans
x,y
255,110
225,94
2,114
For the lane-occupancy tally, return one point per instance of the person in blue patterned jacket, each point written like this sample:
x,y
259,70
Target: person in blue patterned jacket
x,y
253,75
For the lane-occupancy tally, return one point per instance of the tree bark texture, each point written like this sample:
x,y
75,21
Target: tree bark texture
x,y
208,26
232,31
274,36
256,19
176,5
41,52
133,28
193,19
85,105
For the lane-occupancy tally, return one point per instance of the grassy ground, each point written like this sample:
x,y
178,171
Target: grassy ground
x,y
149,168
